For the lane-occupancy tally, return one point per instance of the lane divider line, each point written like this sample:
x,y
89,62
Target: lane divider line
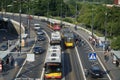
x,y
80,63
25,60
97,55
42,75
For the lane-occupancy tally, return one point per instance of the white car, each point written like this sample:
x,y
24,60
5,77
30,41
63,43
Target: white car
x,y
37,26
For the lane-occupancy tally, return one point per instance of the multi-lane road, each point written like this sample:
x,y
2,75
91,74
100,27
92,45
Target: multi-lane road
x,y
74,60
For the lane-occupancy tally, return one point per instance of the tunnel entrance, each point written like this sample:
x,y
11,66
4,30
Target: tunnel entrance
x,y
8,27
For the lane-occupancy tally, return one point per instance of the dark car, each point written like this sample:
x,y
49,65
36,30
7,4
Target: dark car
x,y
96,72
38,50
40,38
40,32
4,47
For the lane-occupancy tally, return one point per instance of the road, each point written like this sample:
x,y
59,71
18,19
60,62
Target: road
x,y
72,67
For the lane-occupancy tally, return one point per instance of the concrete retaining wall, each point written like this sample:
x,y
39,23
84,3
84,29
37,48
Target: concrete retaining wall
x,y
14,26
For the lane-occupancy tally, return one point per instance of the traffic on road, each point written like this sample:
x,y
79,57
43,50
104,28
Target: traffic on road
x,y
59,54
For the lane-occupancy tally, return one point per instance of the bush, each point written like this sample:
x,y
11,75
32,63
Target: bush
x,y
67,19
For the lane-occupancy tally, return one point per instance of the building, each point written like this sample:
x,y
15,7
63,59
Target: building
x,y
117,2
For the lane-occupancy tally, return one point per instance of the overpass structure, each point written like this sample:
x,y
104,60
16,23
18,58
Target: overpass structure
x,y
13,27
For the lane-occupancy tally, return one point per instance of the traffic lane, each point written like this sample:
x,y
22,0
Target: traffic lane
x,y
34,69
77,72
87,64
67,67
72,70
32,22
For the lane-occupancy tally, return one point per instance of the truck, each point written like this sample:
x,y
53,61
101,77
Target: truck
x,y
55,38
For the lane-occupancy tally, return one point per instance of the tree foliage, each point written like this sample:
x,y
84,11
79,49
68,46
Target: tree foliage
x,y
102,18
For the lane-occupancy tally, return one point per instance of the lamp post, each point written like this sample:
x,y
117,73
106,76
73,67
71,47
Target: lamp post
x,y
61,14
20,26
2,9
5,7
92,23
13,3
48,12
29,17
105,25
76,16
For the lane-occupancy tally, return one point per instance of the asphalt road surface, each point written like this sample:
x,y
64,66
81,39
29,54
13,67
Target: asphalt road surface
x,y
72,68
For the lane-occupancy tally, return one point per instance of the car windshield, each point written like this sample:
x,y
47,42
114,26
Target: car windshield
x,y
37,25
40,36
37,47
39,30
96,71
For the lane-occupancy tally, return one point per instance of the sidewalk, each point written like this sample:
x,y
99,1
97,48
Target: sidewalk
x,y
113,70
11,71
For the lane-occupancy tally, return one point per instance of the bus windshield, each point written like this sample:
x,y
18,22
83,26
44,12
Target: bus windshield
x,y
52,68
69,40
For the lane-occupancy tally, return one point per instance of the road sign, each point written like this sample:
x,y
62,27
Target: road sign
x,y
92,56
30,57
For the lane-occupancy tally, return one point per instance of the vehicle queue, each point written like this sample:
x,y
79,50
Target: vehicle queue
x,y
53,63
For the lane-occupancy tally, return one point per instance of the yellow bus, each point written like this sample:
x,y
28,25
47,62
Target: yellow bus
x,y
68,38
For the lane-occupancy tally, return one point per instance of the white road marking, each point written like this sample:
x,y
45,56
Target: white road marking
x,y
97,56
42,75
24,62
80,63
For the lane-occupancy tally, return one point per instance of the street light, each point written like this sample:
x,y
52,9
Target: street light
x,y
29,17
48,12
2,8
76,16
20,25
5,7
61,14
92,23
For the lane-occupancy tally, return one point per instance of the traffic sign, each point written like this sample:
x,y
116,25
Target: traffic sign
x,y
92,56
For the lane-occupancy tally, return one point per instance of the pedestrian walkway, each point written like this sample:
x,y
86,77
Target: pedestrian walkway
x,y
111,68
12,70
